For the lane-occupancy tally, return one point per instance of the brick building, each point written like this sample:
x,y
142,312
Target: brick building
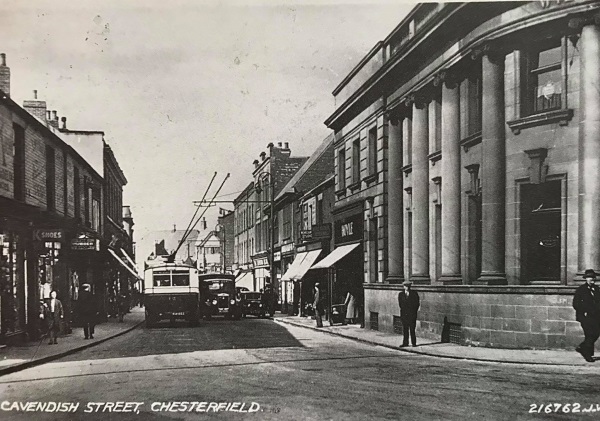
x,y
295,248
270,175
50,213
485,117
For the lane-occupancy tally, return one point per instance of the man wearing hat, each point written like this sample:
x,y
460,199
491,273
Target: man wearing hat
x,y
586,303
87,311
409,303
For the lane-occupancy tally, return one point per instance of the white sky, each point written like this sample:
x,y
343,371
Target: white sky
x,y
186,88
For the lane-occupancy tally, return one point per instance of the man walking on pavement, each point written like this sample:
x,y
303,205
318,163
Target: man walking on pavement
x,y
87,311
586,303
409,305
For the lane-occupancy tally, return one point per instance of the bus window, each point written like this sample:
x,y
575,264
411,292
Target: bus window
x,y
181,279
162,280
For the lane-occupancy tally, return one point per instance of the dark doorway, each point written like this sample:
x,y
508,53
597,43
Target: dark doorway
x,y
540,232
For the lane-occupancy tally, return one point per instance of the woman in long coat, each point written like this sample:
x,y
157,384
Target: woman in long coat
x,y
351,308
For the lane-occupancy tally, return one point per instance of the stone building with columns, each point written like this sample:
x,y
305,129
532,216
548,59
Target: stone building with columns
x,y
486,121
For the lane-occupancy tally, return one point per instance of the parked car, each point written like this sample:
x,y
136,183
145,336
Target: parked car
x,y
254,303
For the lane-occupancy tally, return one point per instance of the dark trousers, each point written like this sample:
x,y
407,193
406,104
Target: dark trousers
x,y
409,325
318,317
88,329
591,331
53,329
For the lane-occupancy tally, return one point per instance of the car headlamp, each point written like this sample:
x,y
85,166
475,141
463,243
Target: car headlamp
x,y
214,302
232,302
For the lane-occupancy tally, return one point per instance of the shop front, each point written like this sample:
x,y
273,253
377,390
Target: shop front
x,y
13,275
343,268
87,267
262,274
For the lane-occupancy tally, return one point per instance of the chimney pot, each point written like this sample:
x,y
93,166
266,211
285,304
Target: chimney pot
x,y
174,227
287,145
263,155
3,58
64,122
54,115
279,144
48,114
35,94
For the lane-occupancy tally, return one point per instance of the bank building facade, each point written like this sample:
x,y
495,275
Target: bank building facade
x,y
467,151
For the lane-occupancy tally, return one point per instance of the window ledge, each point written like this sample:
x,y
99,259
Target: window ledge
x,y
370,178
340,192
435,157
470,141
354,186
561,117
407,169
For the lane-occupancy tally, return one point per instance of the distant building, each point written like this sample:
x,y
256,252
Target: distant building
x,y
226,235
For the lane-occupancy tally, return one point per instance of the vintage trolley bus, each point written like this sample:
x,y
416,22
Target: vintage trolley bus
x,y
171,292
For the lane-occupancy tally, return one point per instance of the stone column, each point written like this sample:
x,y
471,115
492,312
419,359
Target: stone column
x,y
493,170
589,148
395,202
451,192
420,192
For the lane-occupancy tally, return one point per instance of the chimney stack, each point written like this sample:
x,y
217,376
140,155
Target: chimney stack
x,y
36,108
54,119
4,75
64,123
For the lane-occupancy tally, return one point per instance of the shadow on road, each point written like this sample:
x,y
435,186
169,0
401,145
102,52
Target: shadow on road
x,y
179,337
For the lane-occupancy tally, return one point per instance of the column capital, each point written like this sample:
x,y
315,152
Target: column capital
x,y
578,22
418,99
492,50
448,77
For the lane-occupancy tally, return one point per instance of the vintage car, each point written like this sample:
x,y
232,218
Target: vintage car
x,y
218,296
255,304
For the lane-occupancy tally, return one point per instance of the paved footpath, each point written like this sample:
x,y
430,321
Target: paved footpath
x,y
16,358
446,350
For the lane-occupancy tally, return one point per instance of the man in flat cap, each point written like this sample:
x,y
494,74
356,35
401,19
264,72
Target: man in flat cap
x,y
409,303
586,303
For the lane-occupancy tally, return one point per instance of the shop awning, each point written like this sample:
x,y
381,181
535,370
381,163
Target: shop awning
x,y
335,256
125,265
308,261
289,274
124,253
245,279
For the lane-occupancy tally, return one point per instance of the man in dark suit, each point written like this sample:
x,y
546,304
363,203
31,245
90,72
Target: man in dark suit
x,y
586,303
409,303
53,314
87,311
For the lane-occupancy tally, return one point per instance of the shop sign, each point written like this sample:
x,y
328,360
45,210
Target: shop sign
x,y
81,244
306,235
261,262
349,229
287,248
277,256
321,232
48,234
